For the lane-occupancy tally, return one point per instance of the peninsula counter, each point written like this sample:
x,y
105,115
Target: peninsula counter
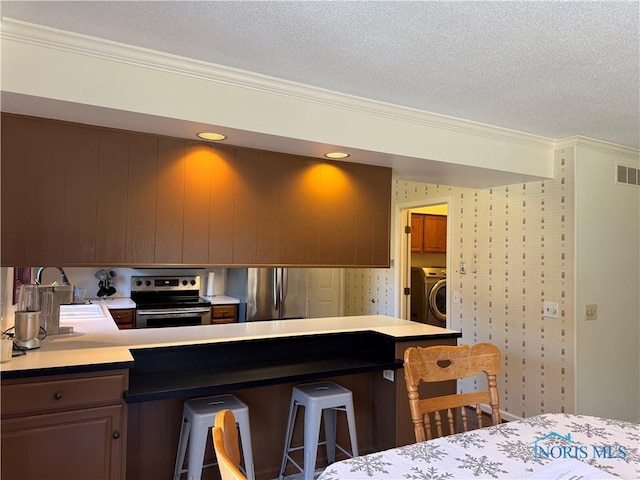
x,y
259,361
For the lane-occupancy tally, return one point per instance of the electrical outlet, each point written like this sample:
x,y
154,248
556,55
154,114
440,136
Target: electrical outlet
x,y
388,375
551,310
591,312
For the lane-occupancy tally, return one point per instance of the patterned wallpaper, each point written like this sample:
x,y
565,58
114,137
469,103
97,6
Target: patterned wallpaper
x,y
517,242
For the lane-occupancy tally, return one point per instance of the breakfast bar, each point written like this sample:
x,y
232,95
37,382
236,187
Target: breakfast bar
x,y
156,370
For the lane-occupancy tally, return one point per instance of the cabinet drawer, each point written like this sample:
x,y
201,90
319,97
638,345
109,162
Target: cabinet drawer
x,y
62,393
224,311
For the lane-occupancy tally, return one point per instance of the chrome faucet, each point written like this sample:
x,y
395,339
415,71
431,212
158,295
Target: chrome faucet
x,y
63,276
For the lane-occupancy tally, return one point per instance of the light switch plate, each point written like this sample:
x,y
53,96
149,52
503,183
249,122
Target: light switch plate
x,y
551,310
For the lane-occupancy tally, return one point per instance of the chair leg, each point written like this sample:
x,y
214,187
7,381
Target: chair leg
x,y
353,436
247,452
197,444
293,411
330,417
311,434
185,429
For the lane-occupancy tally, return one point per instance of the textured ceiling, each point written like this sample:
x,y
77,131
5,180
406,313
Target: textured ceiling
x,y
555,69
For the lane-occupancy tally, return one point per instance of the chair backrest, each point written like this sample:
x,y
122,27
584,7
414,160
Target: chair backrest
x,y
225,443
442,363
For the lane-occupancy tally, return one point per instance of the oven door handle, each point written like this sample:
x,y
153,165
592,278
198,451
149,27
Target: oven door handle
x,y
177,311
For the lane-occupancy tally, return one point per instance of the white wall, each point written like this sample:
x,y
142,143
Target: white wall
x,y
574,240
607,274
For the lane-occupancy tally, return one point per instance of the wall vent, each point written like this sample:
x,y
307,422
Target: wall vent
x,y
628,175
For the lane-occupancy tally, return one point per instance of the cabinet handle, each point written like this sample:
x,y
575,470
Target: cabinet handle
x,y
116,435
57,395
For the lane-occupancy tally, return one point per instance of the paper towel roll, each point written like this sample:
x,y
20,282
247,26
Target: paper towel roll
x,y
210,281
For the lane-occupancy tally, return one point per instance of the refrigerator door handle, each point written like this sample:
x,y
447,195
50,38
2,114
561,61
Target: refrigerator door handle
x,y
276,288
284,285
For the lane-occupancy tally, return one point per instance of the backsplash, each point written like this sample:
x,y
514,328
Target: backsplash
x,y
84,278
517,242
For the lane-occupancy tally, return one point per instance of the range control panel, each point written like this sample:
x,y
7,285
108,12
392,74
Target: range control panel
x,y
165,284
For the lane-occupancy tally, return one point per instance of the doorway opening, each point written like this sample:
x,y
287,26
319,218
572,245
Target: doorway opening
x,y
420,247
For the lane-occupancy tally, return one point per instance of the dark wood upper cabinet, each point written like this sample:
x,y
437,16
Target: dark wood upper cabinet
x,y
197,205
81,196
14,190
85,195
428,233
170,202
143,195
222,205
112,198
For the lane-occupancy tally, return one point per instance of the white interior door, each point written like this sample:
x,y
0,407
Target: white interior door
x,y
326,298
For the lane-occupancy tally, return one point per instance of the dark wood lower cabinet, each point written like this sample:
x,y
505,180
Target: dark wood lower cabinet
x,y
124,318
224,314
67,427
80,444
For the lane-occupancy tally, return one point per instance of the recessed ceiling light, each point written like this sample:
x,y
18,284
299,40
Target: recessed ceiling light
x,y
211,136
336,155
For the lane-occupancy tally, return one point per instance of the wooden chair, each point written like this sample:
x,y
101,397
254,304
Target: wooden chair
x,y
442,363
225,443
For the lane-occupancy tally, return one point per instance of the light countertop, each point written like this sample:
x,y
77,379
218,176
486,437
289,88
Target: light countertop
x,y
221,300
116,303
96,340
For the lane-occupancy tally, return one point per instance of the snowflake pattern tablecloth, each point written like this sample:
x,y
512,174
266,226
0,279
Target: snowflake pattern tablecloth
x,y
510,450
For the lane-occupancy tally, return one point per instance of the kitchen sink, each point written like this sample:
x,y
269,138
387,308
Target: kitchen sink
x,y
85,311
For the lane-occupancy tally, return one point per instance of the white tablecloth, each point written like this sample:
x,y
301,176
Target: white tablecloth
x,y
511,450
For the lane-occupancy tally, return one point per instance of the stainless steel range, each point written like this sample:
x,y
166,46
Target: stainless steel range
x,y
168,301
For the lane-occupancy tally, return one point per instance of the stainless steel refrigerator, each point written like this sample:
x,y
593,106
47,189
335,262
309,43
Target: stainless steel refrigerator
x,y
269,293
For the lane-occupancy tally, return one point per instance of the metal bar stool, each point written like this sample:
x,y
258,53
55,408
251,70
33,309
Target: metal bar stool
x,y
197,419
319,399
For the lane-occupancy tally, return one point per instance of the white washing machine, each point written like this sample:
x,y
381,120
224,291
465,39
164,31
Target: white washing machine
x,y
429,295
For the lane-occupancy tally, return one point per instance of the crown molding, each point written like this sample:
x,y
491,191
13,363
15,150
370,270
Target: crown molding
x,y
599,145
79,44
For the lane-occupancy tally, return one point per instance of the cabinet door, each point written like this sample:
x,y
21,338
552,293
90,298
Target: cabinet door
x,y
81,444
46,197
224,314
222,205
417,232
170,208
142,193
435,233
81,192
16,137
247,205
112,199
197,216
